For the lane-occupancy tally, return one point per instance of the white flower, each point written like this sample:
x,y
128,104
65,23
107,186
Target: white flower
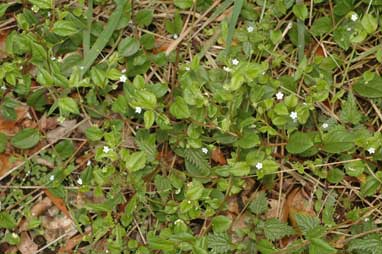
x,y
187,68
79,181
61,119
138,110
227,69
53,58
178,191
35,8
259,165
3,87
293,115
325,126
82,67
123,78
371,150
354,17
89,163
49,14
175,36
204,150
123,70
366,219
51,178
106,149
178,221
279,95
250,29
189,201
14,235
235,61
348,29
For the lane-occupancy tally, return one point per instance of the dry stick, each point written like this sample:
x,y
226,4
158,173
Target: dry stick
x,y
183,35
42,149
378,113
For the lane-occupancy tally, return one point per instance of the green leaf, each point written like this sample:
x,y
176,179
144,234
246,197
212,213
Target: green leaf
x,y
260,204
350,112
275,230
321,26
238,5
320,246
366,245
221,223
248,140
183,4
3,142
128,46
369,23
94,133
42,4
307,223
149,118
7,221
355,168
300,11
338,141
335,175
136,161
299,142
65,28
64,149
144,17
179,108
369,89
157,243
370,187
68,105
3,9
219,243
25,139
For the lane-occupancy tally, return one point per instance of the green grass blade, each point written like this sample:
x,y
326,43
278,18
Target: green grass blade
x,y
232,23
104,38
87,31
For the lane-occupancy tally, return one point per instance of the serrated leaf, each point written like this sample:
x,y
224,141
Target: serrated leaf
x,y
306,223
7,221
275,229
320,246
179,108
299,142
68,105
350,112
221,223
260,204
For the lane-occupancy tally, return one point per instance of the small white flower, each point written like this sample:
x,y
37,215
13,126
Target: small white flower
x,y
53,58
175,36
123,70
14,235
89,163
187,68
51,178
235,61
79,181
138,110
204,150
178,221
293,115
371,150
227,69
3,87
106,149
325,126
366,219
82,67
61,119
259,165
49,14
189,201
250,29
279,96
354,17
123,78
348,29
178,191
35,8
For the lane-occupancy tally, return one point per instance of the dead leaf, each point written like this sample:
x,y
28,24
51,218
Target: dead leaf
x,y
218,157
3,38
56,226
60,131
58,202
233,205
47,123
26,245
73,242
297,202
6,164
273,211
9,127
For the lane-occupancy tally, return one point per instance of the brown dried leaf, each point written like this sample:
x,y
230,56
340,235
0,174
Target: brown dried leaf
x,y
56,226
9,127
297,202
60,131
26,245
218,157
58,202
3,38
